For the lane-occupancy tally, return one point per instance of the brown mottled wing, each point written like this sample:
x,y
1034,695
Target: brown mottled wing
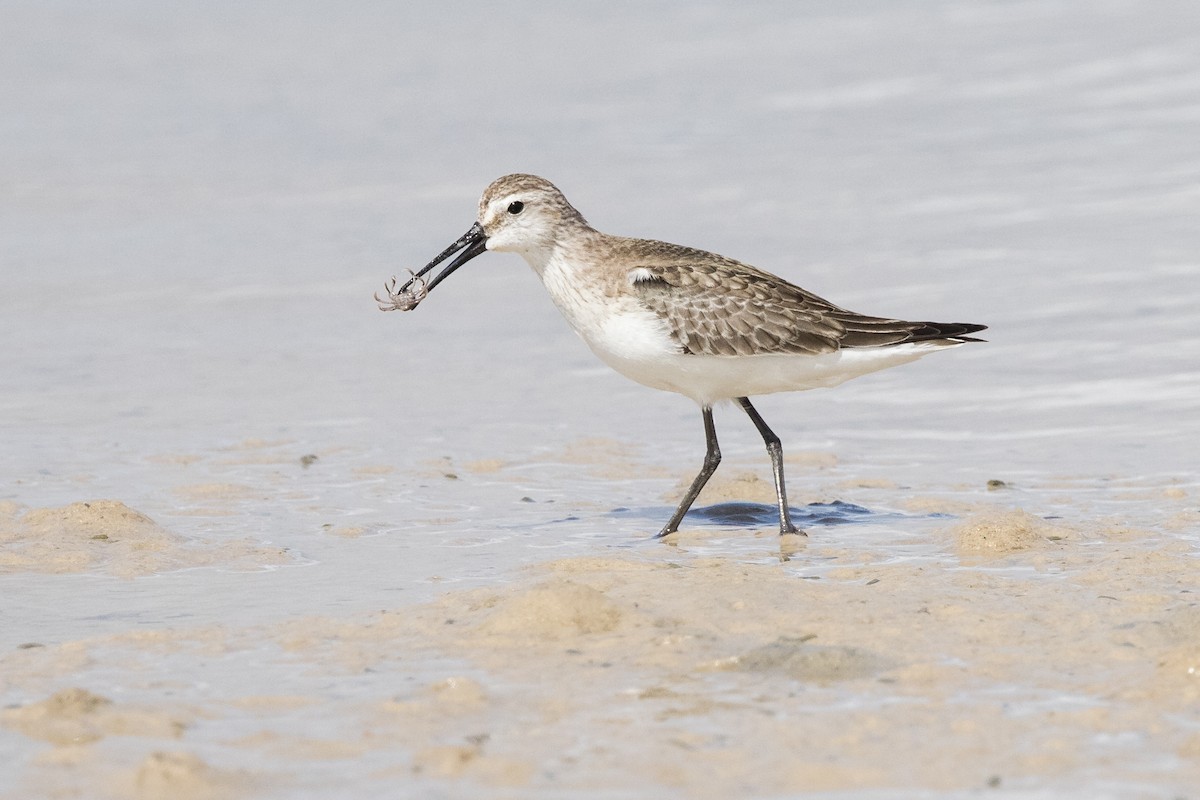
x,y
732,309
717,306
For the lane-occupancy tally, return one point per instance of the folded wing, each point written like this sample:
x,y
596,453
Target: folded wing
x,y
716,306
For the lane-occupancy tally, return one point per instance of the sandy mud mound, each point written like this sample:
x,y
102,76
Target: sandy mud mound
x,y
1000,532
77,716
107,536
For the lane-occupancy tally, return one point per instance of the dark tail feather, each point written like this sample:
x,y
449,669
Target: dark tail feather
x,y
924,331
879,332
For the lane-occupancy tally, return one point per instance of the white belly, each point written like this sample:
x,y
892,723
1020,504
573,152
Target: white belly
x,y
710,379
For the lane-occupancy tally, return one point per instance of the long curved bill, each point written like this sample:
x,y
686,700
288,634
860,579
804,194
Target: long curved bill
x,y
406,298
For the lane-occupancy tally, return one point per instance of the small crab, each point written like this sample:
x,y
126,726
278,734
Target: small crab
x,y
406,297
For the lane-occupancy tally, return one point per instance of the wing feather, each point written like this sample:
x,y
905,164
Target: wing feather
x,y
739,311
718,306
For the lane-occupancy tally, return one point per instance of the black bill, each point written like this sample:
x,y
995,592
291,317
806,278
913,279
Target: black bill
x,y
406,298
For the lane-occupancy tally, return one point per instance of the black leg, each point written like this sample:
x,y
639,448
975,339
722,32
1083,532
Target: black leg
x,y
711,459
775,451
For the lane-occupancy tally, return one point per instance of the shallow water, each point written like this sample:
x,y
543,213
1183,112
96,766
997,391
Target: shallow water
x,y
196,207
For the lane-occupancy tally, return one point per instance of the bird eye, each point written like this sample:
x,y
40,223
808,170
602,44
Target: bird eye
x,y
516,207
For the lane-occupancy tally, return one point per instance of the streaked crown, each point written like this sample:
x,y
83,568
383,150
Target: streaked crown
x,y
525,213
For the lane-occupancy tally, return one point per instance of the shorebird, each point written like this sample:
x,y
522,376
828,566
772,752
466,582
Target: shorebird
x,y
680,319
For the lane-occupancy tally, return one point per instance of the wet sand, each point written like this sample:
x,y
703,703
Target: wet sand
x,y
1012,653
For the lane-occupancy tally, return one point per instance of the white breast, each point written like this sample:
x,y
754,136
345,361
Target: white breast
x,y
627,336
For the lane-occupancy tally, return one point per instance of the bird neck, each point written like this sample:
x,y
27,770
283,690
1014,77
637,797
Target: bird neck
x,y
565,250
